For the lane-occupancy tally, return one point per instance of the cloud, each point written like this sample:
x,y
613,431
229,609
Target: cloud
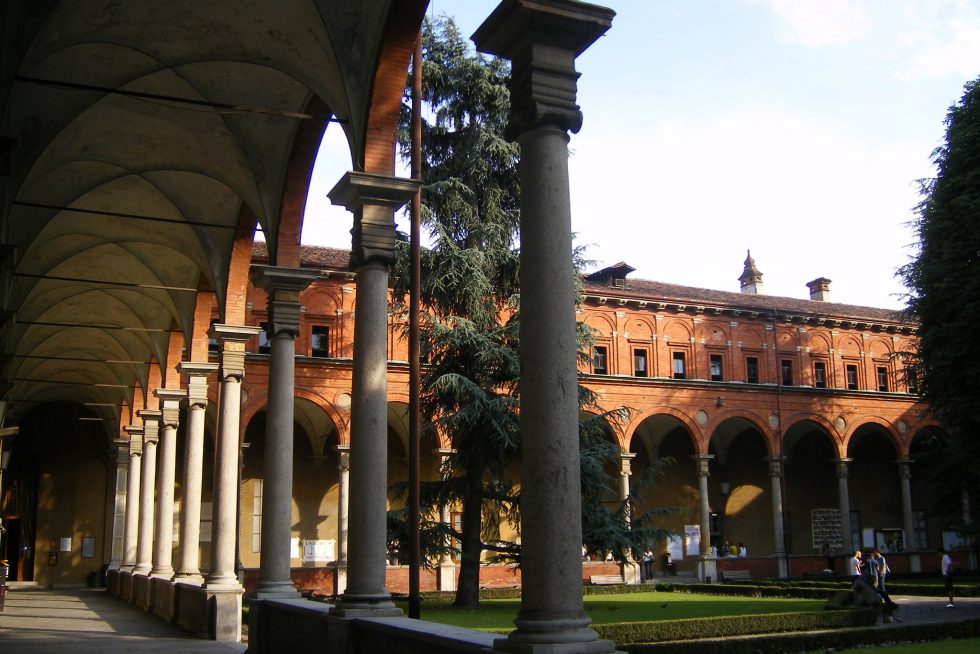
x,y
939,39
828,22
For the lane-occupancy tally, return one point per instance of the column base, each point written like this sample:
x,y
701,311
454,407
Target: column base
x,y
223,583
210,613
447,577
162,573
189,578
915,563
554,637
707,570
340,579
782,564
631,572
275,590
366,606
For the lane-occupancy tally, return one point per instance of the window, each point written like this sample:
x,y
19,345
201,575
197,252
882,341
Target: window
x,y
639,363
912,380
319,340
457,524
680,370
920,532
820,374
264,344
883,379
257,515
716,368
599,360
852,377
212,341
752,370
786,372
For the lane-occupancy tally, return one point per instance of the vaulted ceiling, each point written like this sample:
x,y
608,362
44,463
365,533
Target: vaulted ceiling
x,y
138,140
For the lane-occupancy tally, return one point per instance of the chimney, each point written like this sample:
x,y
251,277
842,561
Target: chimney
x,y
819,289
751,278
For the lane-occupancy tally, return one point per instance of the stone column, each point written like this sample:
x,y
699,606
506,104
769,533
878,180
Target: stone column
x,y
845,506
232,340
542,41
283,287
373,199
131,529
631,571
707,566
167,454
148,480
119,504
343,499
776,484
447,569
189,560
905,479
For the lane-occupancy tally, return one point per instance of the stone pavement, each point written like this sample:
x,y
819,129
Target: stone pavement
x,y
40,620
80,620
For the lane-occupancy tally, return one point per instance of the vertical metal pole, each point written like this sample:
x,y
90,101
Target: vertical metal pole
x,y
414,517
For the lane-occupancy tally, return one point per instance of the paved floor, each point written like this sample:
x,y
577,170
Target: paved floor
x,y
58,621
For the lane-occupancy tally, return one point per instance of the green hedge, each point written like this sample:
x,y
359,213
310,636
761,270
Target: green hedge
x,y
809,641
754,590
727,626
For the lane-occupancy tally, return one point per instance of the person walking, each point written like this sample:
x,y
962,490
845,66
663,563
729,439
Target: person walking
x,y
880,570
647,564
946,567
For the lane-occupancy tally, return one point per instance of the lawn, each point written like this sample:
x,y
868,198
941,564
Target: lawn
x,y
633,607
966,646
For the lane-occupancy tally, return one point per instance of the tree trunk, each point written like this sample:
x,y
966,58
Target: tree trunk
x,y
468,586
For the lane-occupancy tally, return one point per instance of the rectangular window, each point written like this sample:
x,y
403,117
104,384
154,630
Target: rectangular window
x,y
852,376
680,370
912,380
786,372
639,363
752,370
920,530
257,515
599,360
212,341
883,379
716,368
319,340
264,344
820,374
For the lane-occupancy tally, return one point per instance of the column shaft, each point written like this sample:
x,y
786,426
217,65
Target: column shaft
x,y
167,455
188,568
224,523
776,485
704,506
148,480
905,479
119,505
343,507
131,530
845,505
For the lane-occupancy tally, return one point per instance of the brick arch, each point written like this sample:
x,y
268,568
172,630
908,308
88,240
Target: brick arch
x,y
819,342
787,339
880,348
759,423
713,333
849,346
901,448
601,323
284,251
617,429
641,328
398,44
697,436
751,337
677,330
232,310
323,300
835,437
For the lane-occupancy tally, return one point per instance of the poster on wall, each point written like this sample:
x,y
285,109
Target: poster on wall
x,y
88,547
319,551
825,527
294,548
692,537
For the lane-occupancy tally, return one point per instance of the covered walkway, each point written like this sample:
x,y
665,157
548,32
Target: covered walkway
x,y
78,620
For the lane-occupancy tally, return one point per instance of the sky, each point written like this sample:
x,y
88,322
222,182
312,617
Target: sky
x,y
797,129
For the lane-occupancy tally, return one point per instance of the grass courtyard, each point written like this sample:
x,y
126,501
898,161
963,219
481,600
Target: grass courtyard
x,y
633,607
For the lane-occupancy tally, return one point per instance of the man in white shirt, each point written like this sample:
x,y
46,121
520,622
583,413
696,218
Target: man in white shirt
x,y
946,566
854,564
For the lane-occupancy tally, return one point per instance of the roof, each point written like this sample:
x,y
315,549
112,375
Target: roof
x,y
311,256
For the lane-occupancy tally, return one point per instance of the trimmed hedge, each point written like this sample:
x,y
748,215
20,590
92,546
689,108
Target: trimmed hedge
x,y
733,625
810,641
753,590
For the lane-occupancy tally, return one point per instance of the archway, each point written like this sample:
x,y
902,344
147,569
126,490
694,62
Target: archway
x,y
811,501
875,492
740,482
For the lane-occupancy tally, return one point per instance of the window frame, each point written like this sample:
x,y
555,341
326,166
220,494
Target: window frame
x,y
313,338
784,366
719,359
854,385
881,375
675,356
640,354
600,352
820,374
748,369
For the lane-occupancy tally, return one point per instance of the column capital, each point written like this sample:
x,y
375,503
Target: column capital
x,y
343,458
151,425
542,40
702,461
197,381
135,439
372,199
775,465
904,468
283,287
841,465
170,398
625,461
122,449
232,339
